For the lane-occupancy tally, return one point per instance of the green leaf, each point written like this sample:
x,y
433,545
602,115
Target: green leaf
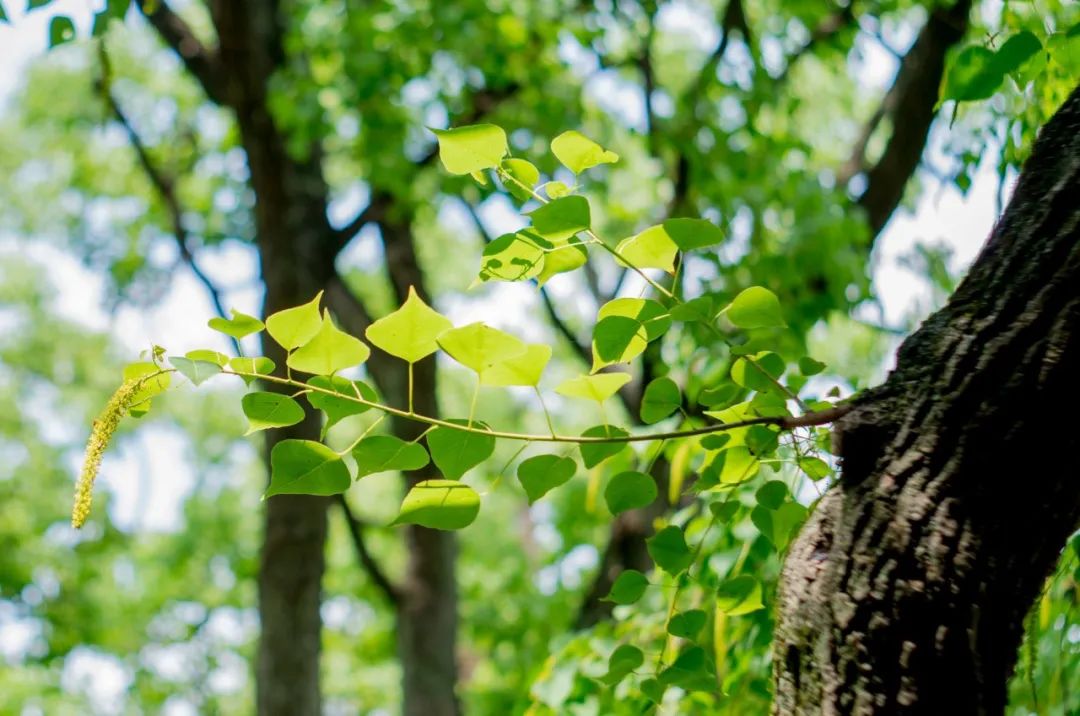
x,y
597,387
755,307
381,453
652,248
219,359
691,234
258,366
814,467
293,327
779,525
524,369
541,474
622,663
577,152
628,587
719,395
525,173
305,467
337,409
628,491
724,511
464,150
270,410
440,505
772,494
196,371
330,350
732,466
140,402
1065,49
3,15
690,671
669,551
1015,51
808,366
740,595
410,332
661,399
556,189
625,327
688,624
699,309
455,452
972,75
479,346
512,257
592,454
769,365
238,326
566,256
61,30
562,218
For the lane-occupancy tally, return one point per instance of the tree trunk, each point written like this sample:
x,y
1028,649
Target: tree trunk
x,y
905,592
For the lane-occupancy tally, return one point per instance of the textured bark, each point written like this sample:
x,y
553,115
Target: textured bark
x,y
905,592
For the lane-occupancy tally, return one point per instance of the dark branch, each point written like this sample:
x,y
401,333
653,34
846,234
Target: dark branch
x,y
367,560
910,104
165,187
203,62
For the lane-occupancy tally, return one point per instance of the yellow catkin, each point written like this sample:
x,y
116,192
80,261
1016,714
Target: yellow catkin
x,y
100,435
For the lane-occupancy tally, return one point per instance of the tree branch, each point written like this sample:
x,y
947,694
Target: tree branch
x,y
203,62
356,532
165,187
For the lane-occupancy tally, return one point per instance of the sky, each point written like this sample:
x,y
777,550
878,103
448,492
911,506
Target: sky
x,y
942,216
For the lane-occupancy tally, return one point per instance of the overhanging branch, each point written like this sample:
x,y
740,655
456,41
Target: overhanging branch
x,y
367,560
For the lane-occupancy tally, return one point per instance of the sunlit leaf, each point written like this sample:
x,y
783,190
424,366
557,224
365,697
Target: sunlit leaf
x,y
252,366
339,408
140,402
566,256
479,347
381,453
597,387
219,359
592,454
270,410
197,371
652,248
524,369
330,350
629,491
577,152
512,257
560,219
464,150
293,327
759,371
740,595
524,173
455,452
410,332
755,307
661,399
439,504
692,234
238,326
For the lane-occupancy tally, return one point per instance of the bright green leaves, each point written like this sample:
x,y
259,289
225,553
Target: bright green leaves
x,y
731,466
329,350
669,551
305,467
524,369
652,248
541,474
758,372
577,152
780,523
592,454
294,327
202,354
977,72
688,624
338,408
465,150
597,387
410,332
560,219
522,178
661,399
238,326
628,587
755,307
692,234
657,246
814,467
566,256
625,327
439,504
455,452
197,371
691,671
381,453
270,410
629,491
150,387
61,30
479,346
739,595
251,367
513,257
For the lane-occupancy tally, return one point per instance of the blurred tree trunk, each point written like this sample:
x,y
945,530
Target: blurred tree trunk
x,y
906,591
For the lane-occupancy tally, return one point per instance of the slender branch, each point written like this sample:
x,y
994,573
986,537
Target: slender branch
x,y
784,422
163,184
356,532
203,62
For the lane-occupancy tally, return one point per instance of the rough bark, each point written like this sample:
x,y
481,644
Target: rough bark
x,y
905,592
